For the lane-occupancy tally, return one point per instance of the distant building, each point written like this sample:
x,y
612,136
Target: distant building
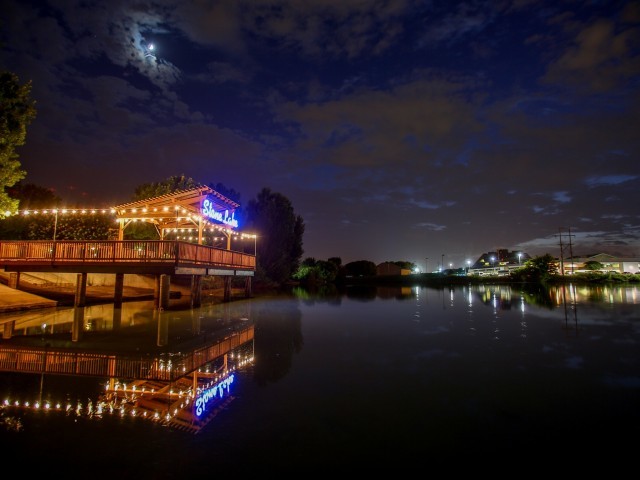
x,y
609,263
502,262
389,268
498,263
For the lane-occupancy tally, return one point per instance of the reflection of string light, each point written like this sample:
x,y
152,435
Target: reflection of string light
x,y
121,398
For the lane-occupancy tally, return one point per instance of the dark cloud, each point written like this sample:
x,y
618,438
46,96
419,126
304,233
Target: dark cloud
x,y
399,130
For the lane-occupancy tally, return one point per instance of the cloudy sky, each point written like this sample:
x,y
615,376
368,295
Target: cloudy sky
x,y
399,130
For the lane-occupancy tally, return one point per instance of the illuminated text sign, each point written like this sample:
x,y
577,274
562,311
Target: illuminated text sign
x,y
210,212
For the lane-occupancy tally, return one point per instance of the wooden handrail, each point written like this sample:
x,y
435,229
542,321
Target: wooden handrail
x,y
119,251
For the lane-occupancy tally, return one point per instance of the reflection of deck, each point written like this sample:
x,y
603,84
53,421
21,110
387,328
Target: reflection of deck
x,y
182,399
166,367
128,256
176,404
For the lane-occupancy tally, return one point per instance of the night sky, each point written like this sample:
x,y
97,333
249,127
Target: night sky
x,y
399,130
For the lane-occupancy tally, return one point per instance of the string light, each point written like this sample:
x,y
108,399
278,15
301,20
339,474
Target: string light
x,y
132,214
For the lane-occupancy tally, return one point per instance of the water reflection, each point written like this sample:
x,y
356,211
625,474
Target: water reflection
x,y
500,296
94,318
278,340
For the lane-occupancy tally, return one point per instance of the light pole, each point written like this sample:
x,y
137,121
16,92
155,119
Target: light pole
x,y
442,264
55,224
519,256
426,265
468,266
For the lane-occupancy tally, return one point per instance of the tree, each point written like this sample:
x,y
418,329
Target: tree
x,y
71,227
360,268
33,196
17,111
593,265
540,268
313,273
405,264
279,248
230,193
32,227
170,185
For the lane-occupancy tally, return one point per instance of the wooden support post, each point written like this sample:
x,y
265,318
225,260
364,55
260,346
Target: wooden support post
x,y
156,291
117,318
227,288
161,291
78,324
163,327
118,290
117,301
196,291
7,330
81,290
14,280
165,287
247,287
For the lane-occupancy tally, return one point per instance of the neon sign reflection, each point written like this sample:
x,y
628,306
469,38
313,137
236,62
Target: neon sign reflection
x,y
211,393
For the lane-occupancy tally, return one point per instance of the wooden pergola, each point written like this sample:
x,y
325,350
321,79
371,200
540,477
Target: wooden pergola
x,y
199,209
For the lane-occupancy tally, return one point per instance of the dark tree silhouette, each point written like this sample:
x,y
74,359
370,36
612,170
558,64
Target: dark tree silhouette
x,y
279,245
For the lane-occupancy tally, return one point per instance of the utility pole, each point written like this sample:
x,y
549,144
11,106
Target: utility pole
x,y
562,248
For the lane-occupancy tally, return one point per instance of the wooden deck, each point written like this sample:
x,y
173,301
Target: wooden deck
x,y
126,256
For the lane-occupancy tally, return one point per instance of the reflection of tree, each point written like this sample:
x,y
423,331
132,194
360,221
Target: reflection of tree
x,y
278,335
324,293
396,293
361,292
537,294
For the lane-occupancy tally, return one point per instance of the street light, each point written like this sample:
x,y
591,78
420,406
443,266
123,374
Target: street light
x,y
519,256
468,265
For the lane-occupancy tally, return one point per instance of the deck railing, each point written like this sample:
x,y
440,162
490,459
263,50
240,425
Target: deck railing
x,y
126,251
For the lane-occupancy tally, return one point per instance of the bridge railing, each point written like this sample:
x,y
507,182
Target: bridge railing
x,y
122,251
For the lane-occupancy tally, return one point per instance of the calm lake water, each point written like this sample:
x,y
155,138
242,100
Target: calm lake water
x,y
385,380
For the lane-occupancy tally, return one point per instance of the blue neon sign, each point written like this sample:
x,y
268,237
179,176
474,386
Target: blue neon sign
x,y
210,212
